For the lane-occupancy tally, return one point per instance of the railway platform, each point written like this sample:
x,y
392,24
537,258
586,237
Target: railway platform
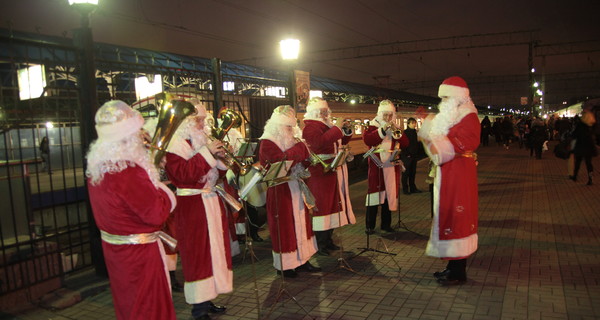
x,y
538,258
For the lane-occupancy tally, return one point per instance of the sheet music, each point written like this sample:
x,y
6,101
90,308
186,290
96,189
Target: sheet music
x,y
278,170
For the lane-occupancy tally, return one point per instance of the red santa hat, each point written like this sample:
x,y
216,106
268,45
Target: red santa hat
x,y
386,106
454,87
284,115
116,120
316,104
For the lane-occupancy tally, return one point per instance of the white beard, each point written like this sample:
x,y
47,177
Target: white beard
x,y
280,136
447,117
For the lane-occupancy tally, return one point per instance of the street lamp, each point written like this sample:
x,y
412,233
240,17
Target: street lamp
x,y
290,49
88,101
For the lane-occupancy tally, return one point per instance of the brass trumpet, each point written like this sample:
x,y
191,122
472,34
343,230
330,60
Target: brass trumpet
x,y
230,119
396,132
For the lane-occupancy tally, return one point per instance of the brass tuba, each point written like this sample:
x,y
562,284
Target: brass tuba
x,y
171,114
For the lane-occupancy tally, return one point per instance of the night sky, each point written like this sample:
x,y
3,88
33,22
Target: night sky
x,y
249,31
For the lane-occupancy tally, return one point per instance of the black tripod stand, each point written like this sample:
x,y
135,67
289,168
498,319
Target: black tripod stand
x,y
281,291
342,264
400,224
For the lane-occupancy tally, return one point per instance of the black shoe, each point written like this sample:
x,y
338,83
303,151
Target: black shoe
x,y
257,238
369,231
441,274
332,246
406,192
415,190
388,229
308,268
204,317
574,178
323,252
216,309
288,273
451,282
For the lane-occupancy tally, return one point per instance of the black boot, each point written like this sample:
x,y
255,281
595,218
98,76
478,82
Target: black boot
x,y
590,180
175,285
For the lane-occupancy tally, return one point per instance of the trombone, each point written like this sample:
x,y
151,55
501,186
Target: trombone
x,y
313,158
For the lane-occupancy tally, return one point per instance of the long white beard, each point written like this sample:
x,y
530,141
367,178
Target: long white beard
x,y
447,117
282,137
316,115
113,157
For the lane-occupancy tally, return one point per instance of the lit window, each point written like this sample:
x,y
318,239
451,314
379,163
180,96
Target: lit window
x,y
32,81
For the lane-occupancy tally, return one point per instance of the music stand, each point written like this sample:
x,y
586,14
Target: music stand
x,y
380,243
276,175
400,224
337,162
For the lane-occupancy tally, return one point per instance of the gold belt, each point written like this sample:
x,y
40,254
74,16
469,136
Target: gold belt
x,y
468,154
140,238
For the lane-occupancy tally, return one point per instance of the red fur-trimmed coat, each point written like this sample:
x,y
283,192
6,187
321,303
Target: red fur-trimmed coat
x,y
455,209
384,183
202,224
331,212
286,212
126,203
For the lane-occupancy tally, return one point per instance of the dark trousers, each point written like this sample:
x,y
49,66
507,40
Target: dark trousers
x,y
386,216
200,309
588,164
408,176
324,238
458,269
252,216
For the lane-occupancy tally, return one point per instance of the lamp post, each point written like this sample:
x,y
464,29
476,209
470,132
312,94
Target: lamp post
x,y
290,49
88,101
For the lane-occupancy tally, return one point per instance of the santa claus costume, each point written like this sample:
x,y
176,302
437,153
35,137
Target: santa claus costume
x,y
450,139
384,174
129,204
201,219
290,226
333,209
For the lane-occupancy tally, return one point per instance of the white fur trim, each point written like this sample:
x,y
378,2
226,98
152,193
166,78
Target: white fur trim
x,y
452,91
305,248
386,106
119,130
169,193
181,148
444,150
455,248
210,159
320,104
283,120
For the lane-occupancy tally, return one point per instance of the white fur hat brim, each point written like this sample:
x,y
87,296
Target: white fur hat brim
x,y
281,119
452,91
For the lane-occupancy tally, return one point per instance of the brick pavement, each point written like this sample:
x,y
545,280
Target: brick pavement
x,y
538,258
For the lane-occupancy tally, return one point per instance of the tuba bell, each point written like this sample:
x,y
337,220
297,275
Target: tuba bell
x,y
171,114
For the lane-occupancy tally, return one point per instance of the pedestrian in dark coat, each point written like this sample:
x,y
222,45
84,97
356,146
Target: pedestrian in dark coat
x,y
585,145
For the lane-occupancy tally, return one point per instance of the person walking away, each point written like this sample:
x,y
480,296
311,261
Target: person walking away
x,y
585,145
486,128
45,154
450,139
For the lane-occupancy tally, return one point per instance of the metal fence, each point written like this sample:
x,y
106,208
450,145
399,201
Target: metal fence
x,y
45,228
43,221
